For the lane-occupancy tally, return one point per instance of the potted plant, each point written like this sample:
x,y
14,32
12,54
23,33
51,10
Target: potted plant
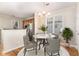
x,y
43,28
67,34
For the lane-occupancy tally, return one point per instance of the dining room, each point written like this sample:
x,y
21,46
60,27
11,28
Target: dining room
x,y
50,26
42,29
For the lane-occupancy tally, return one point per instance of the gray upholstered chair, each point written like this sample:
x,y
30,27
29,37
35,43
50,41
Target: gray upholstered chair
x,y
28,44
53,46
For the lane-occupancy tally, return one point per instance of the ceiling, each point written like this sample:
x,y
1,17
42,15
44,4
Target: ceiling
x,y
27,9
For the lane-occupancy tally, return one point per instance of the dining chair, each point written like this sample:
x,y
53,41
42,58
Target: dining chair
x,y
28,44
53,46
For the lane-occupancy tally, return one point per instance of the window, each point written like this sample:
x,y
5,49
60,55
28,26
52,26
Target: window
x,y
54,24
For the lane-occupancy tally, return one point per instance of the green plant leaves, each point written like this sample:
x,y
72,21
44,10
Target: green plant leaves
x,y
43,28
67,34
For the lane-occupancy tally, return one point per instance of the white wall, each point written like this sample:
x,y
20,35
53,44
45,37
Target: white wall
x,y
39,21
7,21
77,26
69,19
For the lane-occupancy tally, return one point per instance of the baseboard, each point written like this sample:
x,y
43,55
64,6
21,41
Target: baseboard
x,y
75,46
6,51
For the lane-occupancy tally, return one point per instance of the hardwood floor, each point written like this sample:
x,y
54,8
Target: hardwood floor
x,y
72,51
11,53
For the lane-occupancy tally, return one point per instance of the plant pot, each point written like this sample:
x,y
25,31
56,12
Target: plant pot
x,y
67,44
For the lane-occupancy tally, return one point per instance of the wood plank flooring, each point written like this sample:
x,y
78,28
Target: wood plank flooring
x,y
72,51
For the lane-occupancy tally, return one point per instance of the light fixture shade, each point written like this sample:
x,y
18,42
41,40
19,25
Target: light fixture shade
x,y
39,14
48,13
44,12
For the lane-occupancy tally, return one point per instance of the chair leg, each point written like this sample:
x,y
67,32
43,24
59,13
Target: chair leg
x,y
43,43
51,53
24,51
59,53
45,51
39,46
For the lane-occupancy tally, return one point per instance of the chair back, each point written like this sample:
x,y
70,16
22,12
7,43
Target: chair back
x,y
28,44
30,35
53,45
26,40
